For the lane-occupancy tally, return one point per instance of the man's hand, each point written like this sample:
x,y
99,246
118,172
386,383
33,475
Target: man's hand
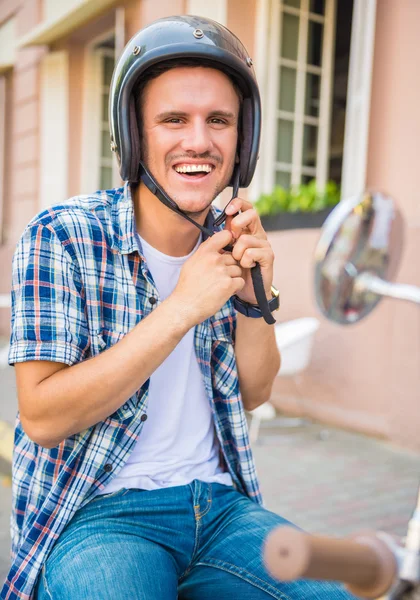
x,y
250,247
208,279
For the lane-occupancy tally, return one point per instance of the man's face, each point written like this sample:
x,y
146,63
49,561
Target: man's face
x,y
190,129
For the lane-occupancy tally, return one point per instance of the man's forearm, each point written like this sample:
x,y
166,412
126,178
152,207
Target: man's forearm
x,y
77,397
257,358
56,401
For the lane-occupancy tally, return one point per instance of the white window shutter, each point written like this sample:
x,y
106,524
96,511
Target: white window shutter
x,y
358,98
54,128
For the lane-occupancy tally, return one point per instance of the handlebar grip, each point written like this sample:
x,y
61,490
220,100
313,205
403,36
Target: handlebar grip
x,y
364,562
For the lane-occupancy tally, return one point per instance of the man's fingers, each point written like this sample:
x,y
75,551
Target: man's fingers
x,y
238,284
248,219
219,240
235,271
236,205
228,259
247,241
252,256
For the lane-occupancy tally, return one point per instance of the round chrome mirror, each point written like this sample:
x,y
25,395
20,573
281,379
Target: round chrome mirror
x,y
359,249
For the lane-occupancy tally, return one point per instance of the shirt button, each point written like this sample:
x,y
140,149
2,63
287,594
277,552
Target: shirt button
x,y
152,300
125,407
143,417
108,468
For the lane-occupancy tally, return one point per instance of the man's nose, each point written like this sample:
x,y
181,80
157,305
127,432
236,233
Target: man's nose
x,y
197,138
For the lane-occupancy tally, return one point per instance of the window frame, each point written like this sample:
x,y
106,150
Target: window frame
x,y
271,166
109,162
356,134
93,123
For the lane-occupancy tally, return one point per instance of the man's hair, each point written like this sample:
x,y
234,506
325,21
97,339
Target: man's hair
x,y
167,65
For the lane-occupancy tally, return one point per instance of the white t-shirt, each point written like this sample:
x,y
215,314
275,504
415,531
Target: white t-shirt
x,y
178,442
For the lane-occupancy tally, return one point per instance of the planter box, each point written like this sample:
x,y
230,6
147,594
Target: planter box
x,y
297,220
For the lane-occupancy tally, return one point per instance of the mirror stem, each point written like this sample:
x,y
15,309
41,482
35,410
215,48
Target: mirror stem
x,y
367,282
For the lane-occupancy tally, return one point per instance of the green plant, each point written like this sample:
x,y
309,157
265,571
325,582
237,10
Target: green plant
x,y
301,198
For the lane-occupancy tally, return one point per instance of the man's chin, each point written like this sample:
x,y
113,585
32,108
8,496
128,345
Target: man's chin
x,y
194,208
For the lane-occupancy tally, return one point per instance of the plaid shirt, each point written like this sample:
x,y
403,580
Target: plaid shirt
x,y
79,285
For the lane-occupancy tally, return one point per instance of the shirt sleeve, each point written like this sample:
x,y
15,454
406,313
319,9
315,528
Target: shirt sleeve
x,y
48,304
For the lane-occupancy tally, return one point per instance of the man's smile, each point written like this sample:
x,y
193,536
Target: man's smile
x,y
193,172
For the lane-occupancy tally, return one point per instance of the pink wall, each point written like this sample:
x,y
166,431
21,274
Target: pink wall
x,y
367,376
22,160
8,8
340,385
394,166
241,18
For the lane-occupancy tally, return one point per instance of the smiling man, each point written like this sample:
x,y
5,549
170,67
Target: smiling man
x,y
137,344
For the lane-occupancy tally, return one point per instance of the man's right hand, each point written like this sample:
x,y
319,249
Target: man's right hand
x,y
57,400
208,279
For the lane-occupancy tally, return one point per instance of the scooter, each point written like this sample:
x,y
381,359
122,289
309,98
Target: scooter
x,y
356,260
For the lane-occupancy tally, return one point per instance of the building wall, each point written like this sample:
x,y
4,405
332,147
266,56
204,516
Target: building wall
x,y
367,376
393,166
364,377
22,157
23,160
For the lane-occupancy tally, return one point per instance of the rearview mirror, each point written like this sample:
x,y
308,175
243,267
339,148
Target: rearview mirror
x,y
357,257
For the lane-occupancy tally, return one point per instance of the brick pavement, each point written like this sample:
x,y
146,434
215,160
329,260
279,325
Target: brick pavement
x,y
325,480
334,482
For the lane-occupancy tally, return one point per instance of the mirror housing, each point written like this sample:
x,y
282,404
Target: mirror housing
x,y
360,244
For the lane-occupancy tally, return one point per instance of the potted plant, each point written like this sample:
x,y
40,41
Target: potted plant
x,y
303,206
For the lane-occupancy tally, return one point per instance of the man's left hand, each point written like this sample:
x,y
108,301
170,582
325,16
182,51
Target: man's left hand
x,y
250,246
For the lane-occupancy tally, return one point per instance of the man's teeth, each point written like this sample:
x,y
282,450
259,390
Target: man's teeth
x,y
193,168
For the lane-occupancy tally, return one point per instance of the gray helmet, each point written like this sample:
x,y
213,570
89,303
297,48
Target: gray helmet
x,y
173,38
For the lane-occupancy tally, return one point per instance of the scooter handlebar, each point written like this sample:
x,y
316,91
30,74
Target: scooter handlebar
x,y
364,562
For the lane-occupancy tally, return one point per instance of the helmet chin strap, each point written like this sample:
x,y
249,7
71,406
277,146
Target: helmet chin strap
x,y
153,186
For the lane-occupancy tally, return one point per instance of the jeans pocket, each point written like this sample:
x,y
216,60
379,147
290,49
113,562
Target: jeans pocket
x,y
120,492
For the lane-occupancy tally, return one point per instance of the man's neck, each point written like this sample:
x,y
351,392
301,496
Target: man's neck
x,y
161,227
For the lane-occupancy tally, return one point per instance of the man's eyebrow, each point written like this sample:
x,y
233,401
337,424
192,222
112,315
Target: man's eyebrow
x,y
179,113
170,113
223,113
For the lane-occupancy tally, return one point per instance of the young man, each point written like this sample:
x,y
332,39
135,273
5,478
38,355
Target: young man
x,y
136,348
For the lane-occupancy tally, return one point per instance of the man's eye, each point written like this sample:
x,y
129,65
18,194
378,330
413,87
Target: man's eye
x,y
217,121
173,120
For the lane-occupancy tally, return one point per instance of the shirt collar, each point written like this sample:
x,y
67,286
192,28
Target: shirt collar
x,y
122,216
123,221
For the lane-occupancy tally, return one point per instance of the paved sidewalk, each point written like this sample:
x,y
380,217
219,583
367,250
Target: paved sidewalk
x,y
334,482
326,480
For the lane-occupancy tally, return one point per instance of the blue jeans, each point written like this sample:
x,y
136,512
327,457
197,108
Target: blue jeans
x,y
195,542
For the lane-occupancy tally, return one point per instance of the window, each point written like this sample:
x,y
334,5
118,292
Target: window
x,y
106,160
99,165
299,92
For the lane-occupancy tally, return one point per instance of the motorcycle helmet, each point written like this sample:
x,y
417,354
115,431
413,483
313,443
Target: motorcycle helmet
x,y
173,38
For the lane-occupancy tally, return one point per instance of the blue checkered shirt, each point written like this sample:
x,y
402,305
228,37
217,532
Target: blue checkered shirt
x,y
79,285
